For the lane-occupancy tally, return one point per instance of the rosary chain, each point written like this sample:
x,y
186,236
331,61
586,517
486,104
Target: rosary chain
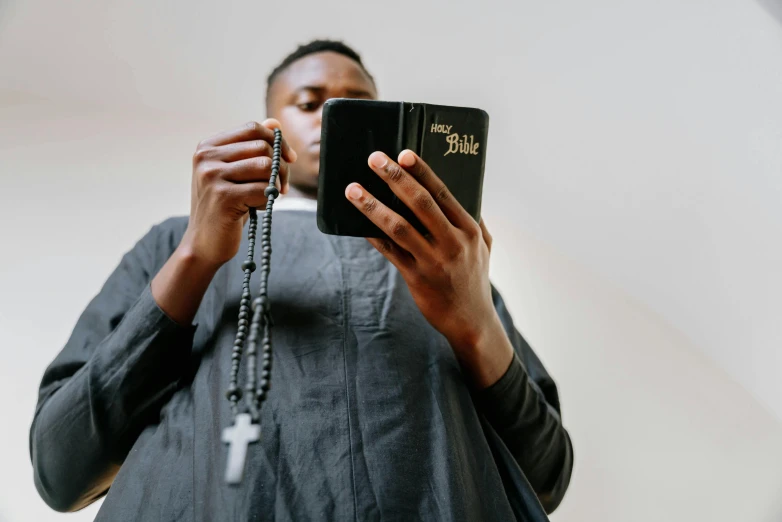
x,y
255,391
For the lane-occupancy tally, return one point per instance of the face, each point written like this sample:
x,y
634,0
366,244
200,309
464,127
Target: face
x,y
296,99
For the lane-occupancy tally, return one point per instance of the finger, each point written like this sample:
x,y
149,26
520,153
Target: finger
x,y
244,196
255,169
424,175
486,236
412,194
395,226
249,132
240,150
401,259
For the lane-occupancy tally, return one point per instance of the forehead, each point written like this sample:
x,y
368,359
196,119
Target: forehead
x,y
328,70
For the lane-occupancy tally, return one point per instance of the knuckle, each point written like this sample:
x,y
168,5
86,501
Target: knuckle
x,y
385,246
395,173
209,172
399,229
423,201
474,231
253,126
202,153
442,195
263,163
221,191
370,206
262,146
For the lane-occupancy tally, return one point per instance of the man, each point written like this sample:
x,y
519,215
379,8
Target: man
x,y
400,388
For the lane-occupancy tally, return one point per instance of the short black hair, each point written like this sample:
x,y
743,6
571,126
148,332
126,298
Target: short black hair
x,y
315,46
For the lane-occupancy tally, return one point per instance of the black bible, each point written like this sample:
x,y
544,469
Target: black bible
x,y
451,140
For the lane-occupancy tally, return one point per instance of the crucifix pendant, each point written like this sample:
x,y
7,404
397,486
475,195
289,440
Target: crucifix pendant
x,y
239,437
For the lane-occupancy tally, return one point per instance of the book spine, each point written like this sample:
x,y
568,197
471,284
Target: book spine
x,y
411,127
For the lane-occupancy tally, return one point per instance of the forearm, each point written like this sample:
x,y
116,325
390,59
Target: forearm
x,y
532,431
181,283
84,427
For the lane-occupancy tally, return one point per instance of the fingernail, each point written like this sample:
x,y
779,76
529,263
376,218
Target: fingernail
x,y
378,159
354,192
407,158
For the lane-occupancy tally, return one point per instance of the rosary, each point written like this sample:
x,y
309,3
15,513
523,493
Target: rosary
x,y
246,428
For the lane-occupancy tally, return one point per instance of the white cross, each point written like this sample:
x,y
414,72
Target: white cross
x,y
238,437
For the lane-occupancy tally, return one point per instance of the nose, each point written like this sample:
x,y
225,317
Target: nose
x,y
319,115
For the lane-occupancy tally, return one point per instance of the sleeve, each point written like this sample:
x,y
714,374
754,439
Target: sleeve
x,y
122,360
523,407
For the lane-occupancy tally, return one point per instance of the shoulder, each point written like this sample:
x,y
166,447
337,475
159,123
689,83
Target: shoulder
x,y
161,239
169,232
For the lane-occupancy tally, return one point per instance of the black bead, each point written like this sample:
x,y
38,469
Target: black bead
x,y
234,392
265,375
249,265
271,190
264,384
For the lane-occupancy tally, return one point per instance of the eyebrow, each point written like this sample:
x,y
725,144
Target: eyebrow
x,y
319,89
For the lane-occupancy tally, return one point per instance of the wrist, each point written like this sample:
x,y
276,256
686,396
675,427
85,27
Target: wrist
x,y
191,256
485,352
191,260
477,335
181,283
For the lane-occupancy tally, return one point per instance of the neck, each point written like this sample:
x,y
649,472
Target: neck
x,y
296,192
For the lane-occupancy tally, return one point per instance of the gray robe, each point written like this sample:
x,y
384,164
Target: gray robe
x,y
368,417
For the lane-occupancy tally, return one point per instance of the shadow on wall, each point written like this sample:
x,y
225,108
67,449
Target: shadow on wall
x,y
773,7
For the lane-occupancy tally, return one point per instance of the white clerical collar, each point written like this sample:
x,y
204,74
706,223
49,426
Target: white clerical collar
x,y
295,203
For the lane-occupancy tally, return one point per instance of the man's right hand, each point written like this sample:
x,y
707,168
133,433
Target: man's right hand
x,y
230,174
231,170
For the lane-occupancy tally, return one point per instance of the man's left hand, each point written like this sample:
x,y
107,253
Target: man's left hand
x,y
447,269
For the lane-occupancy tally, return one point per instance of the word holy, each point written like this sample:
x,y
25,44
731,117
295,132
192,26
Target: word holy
x,y
442,129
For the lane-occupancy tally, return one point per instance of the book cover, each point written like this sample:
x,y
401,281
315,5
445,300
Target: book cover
x,y
451,140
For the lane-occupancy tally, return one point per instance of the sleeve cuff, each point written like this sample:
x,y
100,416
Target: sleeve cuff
x,y
503,401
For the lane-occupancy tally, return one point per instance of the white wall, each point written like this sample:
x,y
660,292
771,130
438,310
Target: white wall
x,y
633,188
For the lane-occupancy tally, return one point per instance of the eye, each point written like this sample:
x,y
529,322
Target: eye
x,y
308,106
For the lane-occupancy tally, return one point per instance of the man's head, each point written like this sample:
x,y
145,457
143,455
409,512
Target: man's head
x,y
296,91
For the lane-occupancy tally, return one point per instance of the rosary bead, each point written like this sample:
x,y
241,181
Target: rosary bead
x,y
264,384
271,190
242,322
243,314
233,393
265,375
236,356
248,265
